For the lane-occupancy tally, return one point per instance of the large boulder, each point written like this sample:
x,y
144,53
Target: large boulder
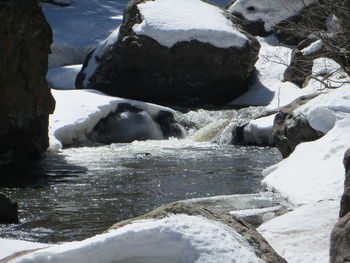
x,y
340,237
192,54
25,101
260,246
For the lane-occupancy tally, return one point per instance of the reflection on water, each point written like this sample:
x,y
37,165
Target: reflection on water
x,y
85,190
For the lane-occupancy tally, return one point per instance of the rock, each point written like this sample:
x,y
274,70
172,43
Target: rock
x,y
262,249
8,210
128,123
299,69
345,200
185,73
289,129
340,238
25,101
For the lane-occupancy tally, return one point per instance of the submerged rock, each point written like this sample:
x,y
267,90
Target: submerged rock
x,y
260,246
340,237
8,210
25,101
174,66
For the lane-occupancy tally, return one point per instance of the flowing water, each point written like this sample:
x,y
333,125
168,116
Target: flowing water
x,y
82,191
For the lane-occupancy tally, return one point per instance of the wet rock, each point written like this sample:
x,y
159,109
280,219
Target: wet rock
x,y
187,73
8,210
169,125
25,100
255,240
340,237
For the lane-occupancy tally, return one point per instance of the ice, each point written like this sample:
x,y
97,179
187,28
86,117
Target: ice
x,y
172,21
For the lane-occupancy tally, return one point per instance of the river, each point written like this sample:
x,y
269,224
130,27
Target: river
x,y
81,191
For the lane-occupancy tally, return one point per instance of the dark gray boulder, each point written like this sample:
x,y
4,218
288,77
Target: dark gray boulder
x,y
25,100
262,249
8,210
340,237
187,73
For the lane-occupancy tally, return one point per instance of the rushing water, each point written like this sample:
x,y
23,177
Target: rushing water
x,y
82,191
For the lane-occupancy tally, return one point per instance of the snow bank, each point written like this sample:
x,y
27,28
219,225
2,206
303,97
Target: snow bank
x,y
80,27
78,111
9,247
271,12
259,131
172,21
178,238
63,77
303,235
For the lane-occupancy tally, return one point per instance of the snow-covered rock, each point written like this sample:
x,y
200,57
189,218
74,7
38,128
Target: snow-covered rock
x,y
63,77
173,52
174,233
78,112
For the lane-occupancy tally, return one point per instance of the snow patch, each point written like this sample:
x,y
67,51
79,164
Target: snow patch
x,y
312,48
172,21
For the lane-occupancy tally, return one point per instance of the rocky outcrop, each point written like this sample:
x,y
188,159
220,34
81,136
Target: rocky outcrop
x,y
8,210
129,123
262,249
289,129
340,237
25,100
186,73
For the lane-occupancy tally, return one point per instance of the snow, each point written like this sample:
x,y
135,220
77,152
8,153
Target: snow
x,y
271,12
259,131
9,246
177,238
85,108
63,77
312,48
80,27
303,235
173,21
269,88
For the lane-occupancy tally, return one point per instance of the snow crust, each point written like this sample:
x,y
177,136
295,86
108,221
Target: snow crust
x,y
172,21
271,12
78,111
177,238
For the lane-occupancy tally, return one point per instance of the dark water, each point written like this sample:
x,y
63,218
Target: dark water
x,y
86,190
